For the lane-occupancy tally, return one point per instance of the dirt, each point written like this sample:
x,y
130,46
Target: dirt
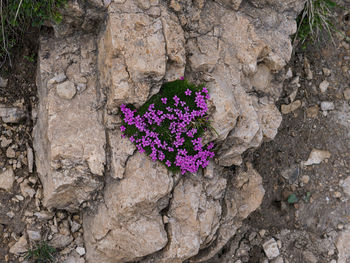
x,y
309,225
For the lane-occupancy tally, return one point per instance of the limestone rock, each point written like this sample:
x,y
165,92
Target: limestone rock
x,y
343,246
66,90
68,137
128,226
7,179
271,248
11,114
20,247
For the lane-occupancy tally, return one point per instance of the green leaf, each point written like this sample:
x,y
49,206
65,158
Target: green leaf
x,y
292,199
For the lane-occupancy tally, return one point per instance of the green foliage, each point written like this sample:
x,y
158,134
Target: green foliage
x,y
292,199
17,16
43,253
169,90
315,18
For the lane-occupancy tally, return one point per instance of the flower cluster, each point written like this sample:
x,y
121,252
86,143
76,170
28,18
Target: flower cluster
x,y
167,127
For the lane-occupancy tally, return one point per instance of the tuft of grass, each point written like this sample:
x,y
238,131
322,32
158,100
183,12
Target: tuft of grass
x,y
18,16
42,253
315,19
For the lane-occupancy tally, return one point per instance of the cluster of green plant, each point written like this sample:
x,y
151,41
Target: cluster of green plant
x,y
18,16
315,19
42,253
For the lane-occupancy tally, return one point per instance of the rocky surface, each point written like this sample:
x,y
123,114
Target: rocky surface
x,y
122,54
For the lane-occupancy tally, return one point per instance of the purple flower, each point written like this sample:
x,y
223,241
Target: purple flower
x,y
182,78
168,163
188,92
164,100
122,128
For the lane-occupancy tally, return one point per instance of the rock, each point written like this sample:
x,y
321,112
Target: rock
x,y
308,71
7,179
43,215
20,247
327,72
317,156
312,111
262,78
289,73
10,153
11,114
278,260
3,82
346,186
309,257
129,225
324,86
271,249
66,90
60,241
34,235
286,109
347,94
80,251
5,142
58,78
343,247
75,227
26,190
30,158
305,179
69,138
327,105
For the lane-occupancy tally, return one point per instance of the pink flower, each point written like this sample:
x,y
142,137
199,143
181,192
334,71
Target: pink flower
x,y
122,128
182,78
164,100
168,163
188,92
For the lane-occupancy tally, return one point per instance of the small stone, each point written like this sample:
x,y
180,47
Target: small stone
x,y
312,111
340,226
58,78
324,86
11,114
309,257
326,72
26,190
3,82
75,227
10,153
327,105
21,246
337,194
44,215
345,184
60,241
80,251
10,214
30,158
7,179
347,94
5,142
305,179
262,232
19,197
289,73
34,235
286,109
271,249
66,90
278,260
316,157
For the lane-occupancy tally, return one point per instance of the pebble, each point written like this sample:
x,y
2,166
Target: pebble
x,y
58,78
21,246
326,72
5,142
327,105
66,90
289,73
324,86
34,235
347,94
7,179
3,82
309,257
10,214
317,156
75,227
271,249
80,251
26,190
337,194
60,241
340,226
30,158
305,179
43,215
345,184
10,153
278,260
11,114
312,111
286,109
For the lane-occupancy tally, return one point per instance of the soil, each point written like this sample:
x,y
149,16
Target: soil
x,y
309,225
